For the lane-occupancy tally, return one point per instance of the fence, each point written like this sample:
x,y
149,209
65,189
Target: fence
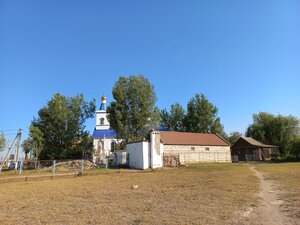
x,y
49,166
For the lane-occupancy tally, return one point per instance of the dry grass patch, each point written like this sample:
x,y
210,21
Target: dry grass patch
x,y
198,194
288,176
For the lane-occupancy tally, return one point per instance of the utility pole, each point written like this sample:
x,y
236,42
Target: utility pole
x,y
14,146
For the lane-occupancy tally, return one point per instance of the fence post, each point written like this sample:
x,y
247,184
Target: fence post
x,y
81,166
35,164
116,160
21,167
106,163
53,166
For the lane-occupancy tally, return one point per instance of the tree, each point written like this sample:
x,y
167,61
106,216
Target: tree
x,y
294,148
27,147
233,136
201,116
173,120
59,131
37,141
2,141
277,130
133,112
86,147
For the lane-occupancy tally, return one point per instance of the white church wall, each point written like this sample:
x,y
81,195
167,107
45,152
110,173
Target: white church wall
x,y
105,144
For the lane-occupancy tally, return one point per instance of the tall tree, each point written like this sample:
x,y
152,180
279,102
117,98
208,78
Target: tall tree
x,y
27,147
293,149
2,141
37,141
133,112
233,136
202,116
271,129
173,120
62,126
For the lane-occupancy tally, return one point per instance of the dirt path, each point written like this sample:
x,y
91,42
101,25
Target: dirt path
x,y
270,210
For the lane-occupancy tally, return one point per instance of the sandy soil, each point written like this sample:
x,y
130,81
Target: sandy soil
x,y
270,211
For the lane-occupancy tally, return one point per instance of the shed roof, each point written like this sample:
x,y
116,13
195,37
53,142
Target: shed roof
x,y
186,138
254,142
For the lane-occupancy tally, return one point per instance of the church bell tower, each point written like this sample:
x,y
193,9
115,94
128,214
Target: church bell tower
x,y
101,116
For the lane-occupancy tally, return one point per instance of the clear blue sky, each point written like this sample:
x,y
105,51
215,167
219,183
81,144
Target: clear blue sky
x,y
243,55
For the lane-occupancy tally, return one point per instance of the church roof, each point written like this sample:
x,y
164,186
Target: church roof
x,y
102,106
109,133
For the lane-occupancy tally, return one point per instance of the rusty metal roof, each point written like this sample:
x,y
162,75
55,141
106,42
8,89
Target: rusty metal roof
x,y
186,138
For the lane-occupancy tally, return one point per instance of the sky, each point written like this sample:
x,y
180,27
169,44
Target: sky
x,y
244,56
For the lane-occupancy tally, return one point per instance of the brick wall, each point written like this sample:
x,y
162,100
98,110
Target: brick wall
x,y
192,154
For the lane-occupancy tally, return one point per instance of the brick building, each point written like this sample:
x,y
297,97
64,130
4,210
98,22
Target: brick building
x,y
168,148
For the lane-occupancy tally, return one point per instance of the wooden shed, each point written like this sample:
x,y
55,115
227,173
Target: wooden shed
x,y
249,149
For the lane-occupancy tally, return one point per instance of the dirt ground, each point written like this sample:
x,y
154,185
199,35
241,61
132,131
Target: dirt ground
x,y
270,209
198,194
279,192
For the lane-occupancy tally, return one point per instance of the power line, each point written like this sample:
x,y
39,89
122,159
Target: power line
x,y
10,134
9,130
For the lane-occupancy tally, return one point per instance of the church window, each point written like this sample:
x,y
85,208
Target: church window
x,y
112,145
102,121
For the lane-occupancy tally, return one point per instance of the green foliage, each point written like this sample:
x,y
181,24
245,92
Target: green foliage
x,y
233,136
133,113
2,141
277,130
202,116
293,149
59,132
174,120
36,139
27,145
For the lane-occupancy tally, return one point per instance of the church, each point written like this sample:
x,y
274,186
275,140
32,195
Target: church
x,y
105,138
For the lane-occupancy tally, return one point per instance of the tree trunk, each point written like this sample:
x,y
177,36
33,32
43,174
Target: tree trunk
x,y
26,156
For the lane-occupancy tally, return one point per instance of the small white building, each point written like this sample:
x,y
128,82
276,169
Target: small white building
x,y
146,154
105,138
177,148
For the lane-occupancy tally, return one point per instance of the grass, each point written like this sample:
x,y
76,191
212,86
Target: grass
x,y
197,194
288,176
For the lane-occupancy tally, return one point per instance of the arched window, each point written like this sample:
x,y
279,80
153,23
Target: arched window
x,y
112,145
102,121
